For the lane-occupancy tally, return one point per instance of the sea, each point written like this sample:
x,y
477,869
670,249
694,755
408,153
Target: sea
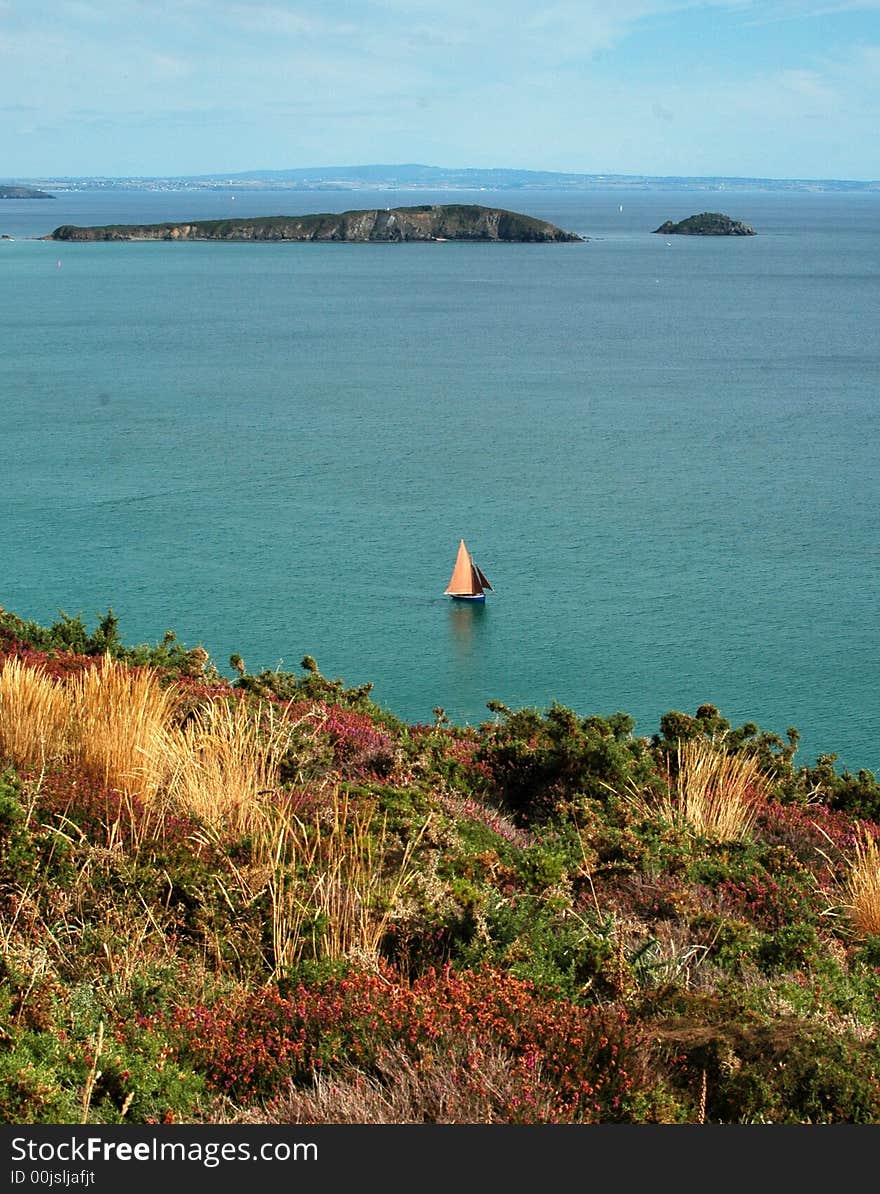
x,y
662,451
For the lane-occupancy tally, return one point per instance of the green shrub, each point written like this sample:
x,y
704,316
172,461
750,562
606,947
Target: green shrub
x,y
791,947
787,1073
55,1074
541,766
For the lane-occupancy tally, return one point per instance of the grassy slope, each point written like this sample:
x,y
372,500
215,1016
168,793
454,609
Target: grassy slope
x,y
274,902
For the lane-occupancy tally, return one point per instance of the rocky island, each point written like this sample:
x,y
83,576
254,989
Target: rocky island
x,y
428,222
707,223
10,192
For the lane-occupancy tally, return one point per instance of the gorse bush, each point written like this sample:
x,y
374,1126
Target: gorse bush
x,y
857,795
791,1072
57,1076
540,765
69,637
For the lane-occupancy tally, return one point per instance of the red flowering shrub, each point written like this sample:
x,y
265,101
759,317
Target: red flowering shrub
x,y
71,798
767,902
360,748
808,831
59,665
582,1057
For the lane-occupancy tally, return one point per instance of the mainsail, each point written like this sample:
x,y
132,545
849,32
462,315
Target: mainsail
x,y
468,579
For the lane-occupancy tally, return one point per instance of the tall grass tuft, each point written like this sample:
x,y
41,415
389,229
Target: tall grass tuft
x,y
335,883
34,714
709,791
862,899
118,714
223,766
356,881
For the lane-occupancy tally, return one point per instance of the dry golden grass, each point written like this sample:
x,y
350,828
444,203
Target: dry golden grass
x,y
117,725
335,883
467,1084
117,715
102,721
713,793
862,887
358,876
34,715
223,766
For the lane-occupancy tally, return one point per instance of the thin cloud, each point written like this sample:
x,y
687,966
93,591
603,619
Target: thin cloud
x,y
571,85
801,10
282,21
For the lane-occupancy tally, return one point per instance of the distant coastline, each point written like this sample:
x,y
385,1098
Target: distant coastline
x,y
434,178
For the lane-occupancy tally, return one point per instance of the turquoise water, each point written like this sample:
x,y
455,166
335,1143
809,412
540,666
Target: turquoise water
x,y
661,451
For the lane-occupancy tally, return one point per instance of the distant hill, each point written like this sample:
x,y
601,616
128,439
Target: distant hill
x,y
439,177
415,177
424,223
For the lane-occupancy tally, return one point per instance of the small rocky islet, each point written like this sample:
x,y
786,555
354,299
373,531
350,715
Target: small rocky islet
x,y
707,223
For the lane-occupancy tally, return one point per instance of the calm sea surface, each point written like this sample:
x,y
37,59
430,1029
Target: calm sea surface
x,y
661,451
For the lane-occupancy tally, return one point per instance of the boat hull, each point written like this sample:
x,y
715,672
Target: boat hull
x,y
468,596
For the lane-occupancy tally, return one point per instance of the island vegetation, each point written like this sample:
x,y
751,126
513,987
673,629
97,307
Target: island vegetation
x,y
428,222
16,192
707,223
263,898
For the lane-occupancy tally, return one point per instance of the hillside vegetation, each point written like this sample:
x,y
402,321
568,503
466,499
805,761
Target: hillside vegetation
x,y
268,900
18,192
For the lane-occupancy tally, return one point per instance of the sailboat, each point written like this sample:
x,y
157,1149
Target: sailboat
x,y
468,581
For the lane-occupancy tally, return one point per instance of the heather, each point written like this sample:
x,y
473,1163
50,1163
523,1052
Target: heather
x,y
269,900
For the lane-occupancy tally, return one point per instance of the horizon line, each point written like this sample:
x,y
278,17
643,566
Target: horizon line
x,y
327,172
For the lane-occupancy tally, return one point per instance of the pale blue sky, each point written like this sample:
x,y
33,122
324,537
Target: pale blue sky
x,y
768,88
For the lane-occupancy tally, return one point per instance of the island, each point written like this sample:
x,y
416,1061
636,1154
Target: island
x,y
707,223
428,222
15,192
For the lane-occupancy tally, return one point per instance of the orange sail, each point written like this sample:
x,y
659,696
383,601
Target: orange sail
x,y
467,579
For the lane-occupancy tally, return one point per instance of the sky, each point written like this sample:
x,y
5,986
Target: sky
x,y
147,88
